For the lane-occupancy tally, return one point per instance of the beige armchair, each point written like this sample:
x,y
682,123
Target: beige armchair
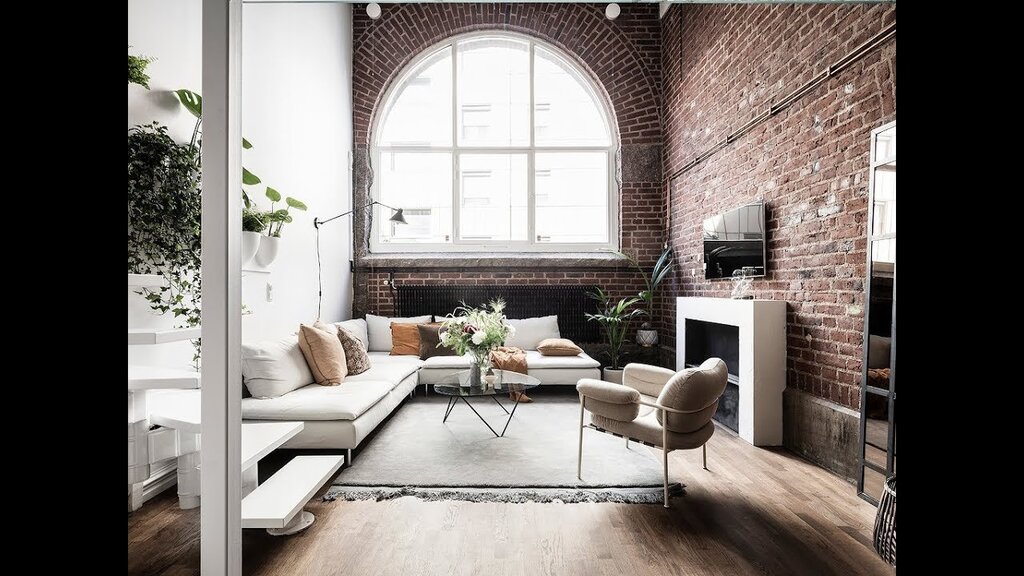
x,y
678,414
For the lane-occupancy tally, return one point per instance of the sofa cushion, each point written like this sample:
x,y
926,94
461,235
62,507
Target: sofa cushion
x,y
529,332
430,340
316,402
405,339
379,330
324,354
357,328
558,347
387,368
274,367
534,359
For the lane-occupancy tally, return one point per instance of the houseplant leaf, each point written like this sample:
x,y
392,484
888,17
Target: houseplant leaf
x,y
191,101
297,204
274,195
246,144
250,179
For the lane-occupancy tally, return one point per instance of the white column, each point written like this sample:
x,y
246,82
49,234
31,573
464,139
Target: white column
x,y
221,518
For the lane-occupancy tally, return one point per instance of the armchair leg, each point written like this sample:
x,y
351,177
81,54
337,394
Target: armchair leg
x,y
579,456
664,459
704,449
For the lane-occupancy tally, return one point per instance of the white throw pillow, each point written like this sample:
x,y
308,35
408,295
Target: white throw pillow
x,y
531,331
274,368
357,328
379,330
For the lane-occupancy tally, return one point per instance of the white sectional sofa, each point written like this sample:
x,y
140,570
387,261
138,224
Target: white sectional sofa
x,y
341,417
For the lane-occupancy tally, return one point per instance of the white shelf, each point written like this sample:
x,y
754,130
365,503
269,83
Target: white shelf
x,y
262,438
157,378
139,336
183,411
179,410
274,503
145,281
254,270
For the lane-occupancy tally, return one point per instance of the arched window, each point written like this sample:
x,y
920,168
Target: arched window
x,y
494,142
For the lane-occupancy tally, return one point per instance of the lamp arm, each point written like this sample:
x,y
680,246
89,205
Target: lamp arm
x,y
318,222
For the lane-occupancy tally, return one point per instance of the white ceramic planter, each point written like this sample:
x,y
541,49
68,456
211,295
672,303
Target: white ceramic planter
x,y
612,375
267,252
646,338
250,244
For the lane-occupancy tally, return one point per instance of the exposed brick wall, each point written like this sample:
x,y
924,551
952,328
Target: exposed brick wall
x,y
623,58
723,64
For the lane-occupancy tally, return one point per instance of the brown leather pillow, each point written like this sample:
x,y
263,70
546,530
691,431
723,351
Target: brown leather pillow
x,y
430,337
405,339
324,355
558,347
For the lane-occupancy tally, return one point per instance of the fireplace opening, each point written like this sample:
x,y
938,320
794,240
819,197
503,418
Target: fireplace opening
x,y
713,340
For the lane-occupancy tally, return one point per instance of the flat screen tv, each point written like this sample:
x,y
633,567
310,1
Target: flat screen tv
x,y
735,240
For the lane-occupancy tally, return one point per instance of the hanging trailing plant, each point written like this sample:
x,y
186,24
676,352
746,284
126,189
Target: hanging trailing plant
x,y
164,210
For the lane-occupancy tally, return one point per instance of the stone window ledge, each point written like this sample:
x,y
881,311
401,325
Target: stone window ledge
x,y
511,261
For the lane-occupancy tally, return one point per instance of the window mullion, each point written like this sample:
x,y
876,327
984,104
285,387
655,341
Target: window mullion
x,y
531,175
454,227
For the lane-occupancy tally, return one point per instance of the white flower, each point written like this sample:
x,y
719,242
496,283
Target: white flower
x,y
479,337
510,330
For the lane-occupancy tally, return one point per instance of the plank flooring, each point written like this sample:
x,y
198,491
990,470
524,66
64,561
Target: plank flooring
x,y
756,511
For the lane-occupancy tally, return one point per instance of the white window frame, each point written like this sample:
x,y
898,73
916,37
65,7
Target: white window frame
x,y
382,214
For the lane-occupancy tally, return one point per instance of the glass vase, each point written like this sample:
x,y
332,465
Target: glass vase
x,y
480,363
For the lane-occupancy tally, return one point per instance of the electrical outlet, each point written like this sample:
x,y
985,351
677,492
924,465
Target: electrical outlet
x,y
270,292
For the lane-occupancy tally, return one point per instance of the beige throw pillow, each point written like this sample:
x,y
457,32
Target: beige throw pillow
x,y
324,355
558,347
356,359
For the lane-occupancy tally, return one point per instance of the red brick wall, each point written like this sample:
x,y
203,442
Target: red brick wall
x,y
723,64
623,57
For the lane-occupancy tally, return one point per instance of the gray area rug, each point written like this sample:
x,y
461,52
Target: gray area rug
x,y
415,454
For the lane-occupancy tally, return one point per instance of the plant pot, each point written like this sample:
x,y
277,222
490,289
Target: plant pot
x,y
250,244
613,375
646,338
267,252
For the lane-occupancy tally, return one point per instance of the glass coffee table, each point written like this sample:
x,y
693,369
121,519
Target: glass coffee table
x,y
457,387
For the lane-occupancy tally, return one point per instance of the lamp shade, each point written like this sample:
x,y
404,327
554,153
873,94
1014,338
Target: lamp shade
x,y
398,217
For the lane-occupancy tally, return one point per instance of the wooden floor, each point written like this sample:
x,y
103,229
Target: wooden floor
x,y
756,511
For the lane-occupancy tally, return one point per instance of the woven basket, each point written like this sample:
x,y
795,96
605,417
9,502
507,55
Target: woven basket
x,y
885,522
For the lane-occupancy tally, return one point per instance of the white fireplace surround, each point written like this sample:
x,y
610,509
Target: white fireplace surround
x,y
762,352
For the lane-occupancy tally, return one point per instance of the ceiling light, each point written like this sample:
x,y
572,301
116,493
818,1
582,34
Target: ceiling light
x,y
611,12
373,10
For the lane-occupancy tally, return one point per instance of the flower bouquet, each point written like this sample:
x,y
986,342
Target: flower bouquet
x,y
476,331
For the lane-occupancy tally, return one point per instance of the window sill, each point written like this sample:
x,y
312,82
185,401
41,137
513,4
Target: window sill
x,y
401,261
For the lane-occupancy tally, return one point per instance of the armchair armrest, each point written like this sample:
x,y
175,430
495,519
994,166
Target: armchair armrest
x,y
607,392
647,379
612,401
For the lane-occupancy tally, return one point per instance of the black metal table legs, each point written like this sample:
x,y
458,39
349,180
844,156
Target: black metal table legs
x,y
453,400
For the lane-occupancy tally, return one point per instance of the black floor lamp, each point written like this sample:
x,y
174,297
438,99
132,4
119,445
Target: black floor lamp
x,y
397,217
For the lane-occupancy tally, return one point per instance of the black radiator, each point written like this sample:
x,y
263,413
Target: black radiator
x,y
570,303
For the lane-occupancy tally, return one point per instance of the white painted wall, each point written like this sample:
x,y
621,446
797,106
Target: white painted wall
x,y
297,112
297,62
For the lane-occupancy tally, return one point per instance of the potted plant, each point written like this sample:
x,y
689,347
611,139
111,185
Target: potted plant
x,y
276,219
646,335
614,318
253,224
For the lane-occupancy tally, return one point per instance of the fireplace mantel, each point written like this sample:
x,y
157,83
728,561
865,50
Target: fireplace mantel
x,y
762,358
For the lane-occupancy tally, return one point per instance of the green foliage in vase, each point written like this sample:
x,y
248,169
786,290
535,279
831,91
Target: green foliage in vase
x,y
164,211
137,70
614,318
476,330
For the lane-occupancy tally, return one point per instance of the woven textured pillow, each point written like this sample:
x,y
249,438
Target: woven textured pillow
x,y
324,355
558,347
355,353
